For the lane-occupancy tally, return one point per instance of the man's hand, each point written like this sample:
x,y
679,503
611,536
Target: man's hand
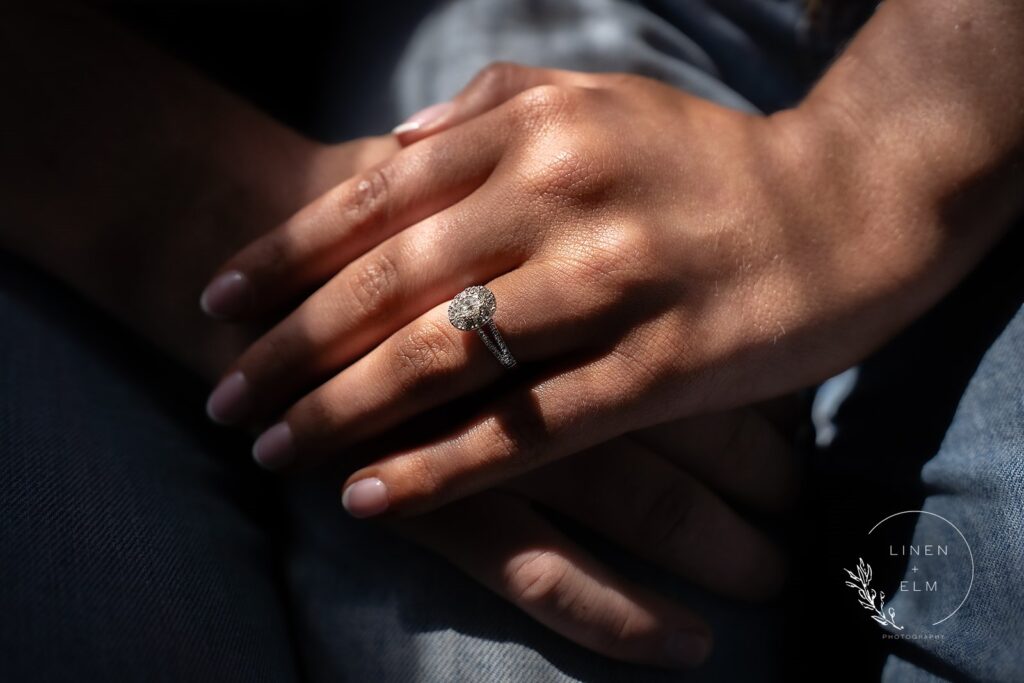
x,y
651,494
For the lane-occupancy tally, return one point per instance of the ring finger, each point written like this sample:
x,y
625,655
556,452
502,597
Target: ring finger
x,y
428,363
359,307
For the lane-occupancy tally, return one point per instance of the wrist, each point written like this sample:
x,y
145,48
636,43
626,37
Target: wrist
x,y
874,207
919,153
864,250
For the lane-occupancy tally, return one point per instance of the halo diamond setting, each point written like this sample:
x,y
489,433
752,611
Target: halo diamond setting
x,y
473,310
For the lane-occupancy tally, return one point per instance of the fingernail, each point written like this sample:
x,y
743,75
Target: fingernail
x,y
365,498
687,648
423,118
227,296
229,401
275,447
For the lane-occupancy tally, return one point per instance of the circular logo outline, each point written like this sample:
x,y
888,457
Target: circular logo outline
x,y
970,553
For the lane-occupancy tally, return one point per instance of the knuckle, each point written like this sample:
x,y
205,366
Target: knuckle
x,y
611,254
422,479
667,522
315,417
613,638
538,579
542,105
640,363
609,261
569,173
270,360
425,356
268,257
374,284
367,198
543,580
512,437
276,346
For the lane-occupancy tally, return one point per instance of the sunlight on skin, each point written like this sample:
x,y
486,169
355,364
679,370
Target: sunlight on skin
x,y
747,284
773,274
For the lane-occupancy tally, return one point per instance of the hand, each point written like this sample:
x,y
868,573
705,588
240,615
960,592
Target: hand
x,y
166,291
649,492
653,255
307,170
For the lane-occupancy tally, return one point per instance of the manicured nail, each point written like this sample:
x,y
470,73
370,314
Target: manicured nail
x,y
423,118
275,447
229,401
687,648
227,296
365,498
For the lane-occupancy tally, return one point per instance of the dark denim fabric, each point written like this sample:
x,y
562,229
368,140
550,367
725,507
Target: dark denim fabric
x,y
134,541
933,422
977,479
139,543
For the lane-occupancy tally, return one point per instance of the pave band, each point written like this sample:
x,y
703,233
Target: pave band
x,y
473,309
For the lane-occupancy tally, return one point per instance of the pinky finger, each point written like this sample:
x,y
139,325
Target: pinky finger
x,y
499,540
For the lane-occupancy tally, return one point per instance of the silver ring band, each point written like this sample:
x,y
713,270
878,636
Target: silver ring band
x,y
473,309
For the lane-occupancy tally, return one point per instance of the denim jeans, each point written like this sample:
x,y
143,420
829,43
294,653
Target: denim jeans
x,y
977,479
932,422
140,543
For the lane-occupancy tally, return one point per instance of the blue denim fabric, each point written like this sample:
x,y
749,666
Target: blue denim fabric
x,y
977,480
751,55
931,422
438,642
139,544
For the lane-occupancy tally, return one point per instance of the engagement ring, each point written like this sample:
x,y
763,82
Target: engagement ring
x,y
473,309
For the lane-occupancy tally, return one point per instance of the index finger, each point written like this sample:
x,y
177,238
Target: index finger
x,y
352,218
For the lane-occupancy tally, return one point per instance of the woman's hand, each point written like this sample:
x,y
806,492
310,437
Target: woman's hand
x,y
650,493
653,255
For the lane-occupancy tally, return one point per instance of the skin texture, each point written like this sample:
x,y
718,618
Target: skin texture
x,y
653,255
870,194
146,176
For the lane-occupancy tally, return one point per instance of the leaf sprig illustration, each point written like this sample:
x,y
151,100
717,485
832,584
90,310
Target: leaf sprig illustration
x,y
866,595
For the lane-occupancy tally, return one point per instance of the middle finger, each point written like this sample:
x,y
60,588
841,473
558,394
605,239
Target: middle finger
x,y
370,299
428,363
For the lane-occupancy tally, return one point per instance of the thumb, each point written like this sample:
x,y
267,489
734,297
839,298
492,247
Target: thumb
x,y
491,86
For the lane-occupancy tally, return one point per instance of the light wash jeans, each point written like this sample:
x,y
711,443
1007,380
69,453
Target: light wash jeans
x,y
139,543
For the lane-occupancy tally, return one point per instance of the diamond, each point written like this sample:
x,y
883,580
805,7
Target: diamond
x,y
472,308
